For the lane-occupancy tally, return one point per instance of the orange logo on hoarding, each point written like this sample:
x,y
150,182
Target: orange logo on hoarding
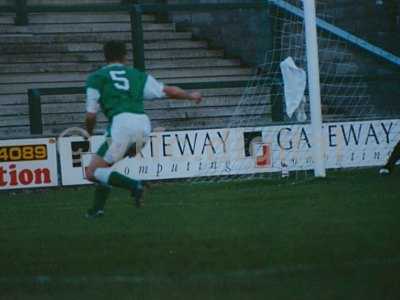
x,y
263,155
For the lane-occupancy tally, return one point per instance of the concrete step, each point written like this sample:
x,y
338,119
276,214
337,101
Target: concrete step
x,y
160,114
188,112
158,73
10,121
211,73
17,89
296,41
7,19
13,110
161,74
338,69
10,101
14,99
88,67
221,92
169,124
99,57
15,132
77,17
79,107
15,39
185,52
74,18
62,2
73,48
198,63
82,28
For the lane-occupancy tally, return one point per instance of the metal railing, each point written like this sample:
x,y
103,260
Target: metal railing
x,y
35,97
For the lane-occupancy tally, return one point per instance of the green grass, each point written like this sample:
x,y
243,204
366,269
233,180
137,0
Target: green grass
x,y
337,238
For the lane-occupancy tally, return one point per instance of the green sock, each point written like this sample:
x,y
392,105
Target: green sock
x,y
118,180
100,196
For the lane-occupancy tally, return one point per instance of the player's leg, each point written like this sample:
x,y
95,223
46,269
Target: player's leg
x,y
127,129
100,169
101,192
391,163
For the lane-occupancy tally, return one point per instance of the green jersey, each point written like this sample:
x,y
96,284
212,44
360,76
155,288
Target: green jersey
x,y
118,89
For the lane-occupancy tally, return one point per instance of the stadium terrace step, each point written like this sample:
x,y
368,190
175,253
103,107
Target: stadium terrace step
x,y
214,73
14,121
62,103
75,18
346,68
89,67
12,115
82,28
13,99
186,113
12,132
207,93
13,110
75,57
192,63
183,53
83,18
10,89
149,45
98,37
7,19
62,2
59,50
335,54
170,124
158,73
323,42
88,48
209,101
21,89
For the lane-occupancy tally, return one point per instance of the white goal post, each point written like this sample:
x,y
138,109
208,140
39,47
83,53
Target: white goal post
x,y
314,86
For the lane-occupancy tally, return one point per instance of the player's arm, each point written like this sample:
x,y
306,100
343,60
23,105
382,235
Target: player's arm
x,y
177,93
92,107
156,90
90,122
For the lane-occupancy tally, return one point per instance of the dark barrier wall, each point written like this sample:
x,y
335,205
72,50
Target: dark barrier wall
x,y
244,34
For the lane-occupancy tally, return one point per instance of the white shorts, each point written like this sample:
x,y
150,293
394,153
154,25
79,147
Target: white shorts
x,y
127,130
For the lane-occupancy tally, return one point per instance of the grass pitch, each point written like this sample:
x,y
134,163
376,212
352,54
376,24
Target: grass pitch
x,y
337,238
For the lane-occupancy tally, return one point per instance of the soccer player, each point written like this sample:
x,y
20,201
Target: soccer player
x,y
119,91
388,168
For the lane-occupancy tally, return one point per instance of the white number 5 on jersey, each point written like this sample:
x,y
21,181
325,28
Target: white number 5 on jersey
x,y
120,80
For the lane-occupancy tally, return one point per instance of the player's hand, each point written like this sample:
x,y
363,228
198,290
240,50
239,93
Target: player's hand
x,y
196,97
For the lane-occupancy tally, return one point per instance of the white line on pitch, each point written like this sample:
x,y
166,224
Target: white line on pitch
x,y
279,270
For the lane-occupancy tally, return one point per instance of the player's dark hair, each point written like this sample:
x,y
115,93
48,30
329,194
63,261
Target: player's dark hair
x,y
114,51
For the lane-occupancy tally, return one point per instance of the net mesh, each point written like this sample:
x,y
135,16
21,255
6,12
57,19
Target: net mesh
x,y
346,107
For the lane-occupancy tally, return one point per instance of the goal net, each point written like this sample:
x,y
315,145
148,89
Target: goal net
x,y
269,134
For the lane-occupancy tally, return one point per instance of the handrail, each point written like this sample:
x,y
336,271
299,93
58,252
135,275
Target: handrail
x,y
354,40
35,97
